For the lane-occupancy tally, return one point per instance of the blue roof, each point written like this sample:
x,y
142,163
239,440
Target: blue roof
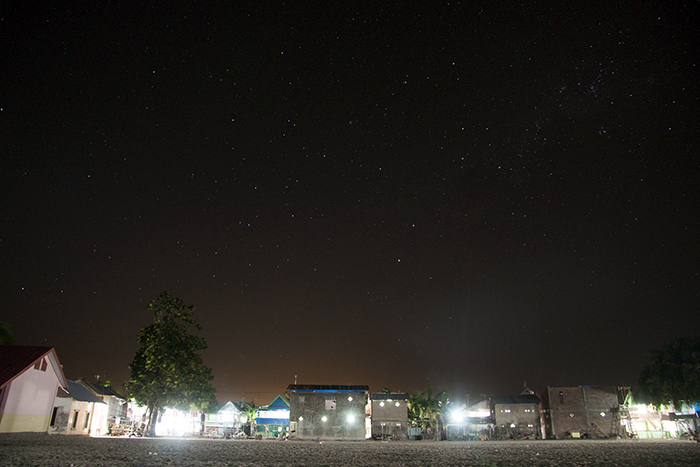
x,y
280,403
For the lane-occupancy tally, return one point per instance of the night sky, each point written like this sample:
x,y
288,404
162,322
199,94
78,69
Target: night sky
x,y
399,194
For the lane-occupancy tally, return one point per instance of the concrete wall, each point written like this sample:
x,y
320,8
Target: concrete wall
x,y
314,418
517,420
27,402
389,418
589,411
62,407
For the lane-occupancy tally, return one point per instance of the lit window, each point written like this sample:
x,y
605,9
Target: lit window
x,y
301,418
512,425
602,414
324,419
351,418
530,425
349,398
398,405
381,404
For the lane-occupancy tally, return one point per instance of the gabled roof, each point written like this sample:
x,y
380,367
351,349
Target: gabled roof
x,y
280,403
81,393
102,390
229,407
16,359
520,399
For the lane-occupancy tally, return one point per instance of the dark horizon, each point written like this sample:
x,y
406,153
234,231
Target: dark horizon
x,y
394,195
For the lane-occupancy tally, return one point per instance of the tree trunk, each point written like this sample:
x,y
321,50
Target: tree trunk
x,y
152,418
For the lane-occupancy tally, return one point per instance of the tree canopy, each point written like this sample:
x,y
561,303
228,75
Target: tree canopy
x,y
673,376
5,334
167,371
425,409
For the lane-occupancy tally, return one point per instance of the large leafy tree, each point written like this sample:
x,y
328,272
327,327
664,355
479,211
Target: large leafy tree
x,y
167,370
673,376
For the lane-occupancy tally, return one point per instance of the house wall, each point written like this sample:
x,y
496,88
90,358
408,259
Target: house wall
x,y
28,400
389,419
62,406
590,411
345,421
525,417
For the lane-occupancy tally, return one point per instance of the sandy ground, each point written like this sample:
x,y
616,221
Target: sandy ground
x,y
28,449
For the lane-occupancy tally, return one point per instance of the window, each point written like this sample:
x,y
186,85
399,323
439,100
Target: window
x,y
75,420
43,364
330,402
87,420
53,416
561,396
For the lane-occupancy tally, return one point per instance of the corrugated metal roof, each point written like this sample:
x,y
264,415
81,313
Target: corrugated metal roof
x,y
81,393
16,359
102,390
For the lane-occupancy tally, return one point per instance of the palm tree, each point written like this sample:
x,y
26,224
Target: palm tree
x,y
251,413
426,410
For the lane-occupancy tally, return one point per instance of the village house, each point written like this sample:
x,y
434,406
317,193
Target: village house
x,y
272,420
226,422
29,379
328,411
516,417
78,411
116,406
389,415
470,423
583,411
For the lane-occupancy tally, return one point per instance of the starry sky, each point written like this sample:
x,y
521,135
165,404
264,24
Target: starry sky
x,y
471,195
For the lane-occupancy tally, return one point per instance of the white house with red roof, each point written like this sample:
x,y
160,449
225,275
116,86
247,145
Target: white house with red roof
x,y
29,379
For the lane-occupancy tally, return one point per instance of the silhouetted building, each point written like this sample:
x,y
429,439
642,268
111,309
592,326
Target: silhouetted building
x,y
327,411
516,417
389,415
583,411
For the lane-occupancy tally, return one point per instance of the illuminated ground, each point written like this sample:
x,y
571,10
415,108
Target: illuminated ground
x,y
19,450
